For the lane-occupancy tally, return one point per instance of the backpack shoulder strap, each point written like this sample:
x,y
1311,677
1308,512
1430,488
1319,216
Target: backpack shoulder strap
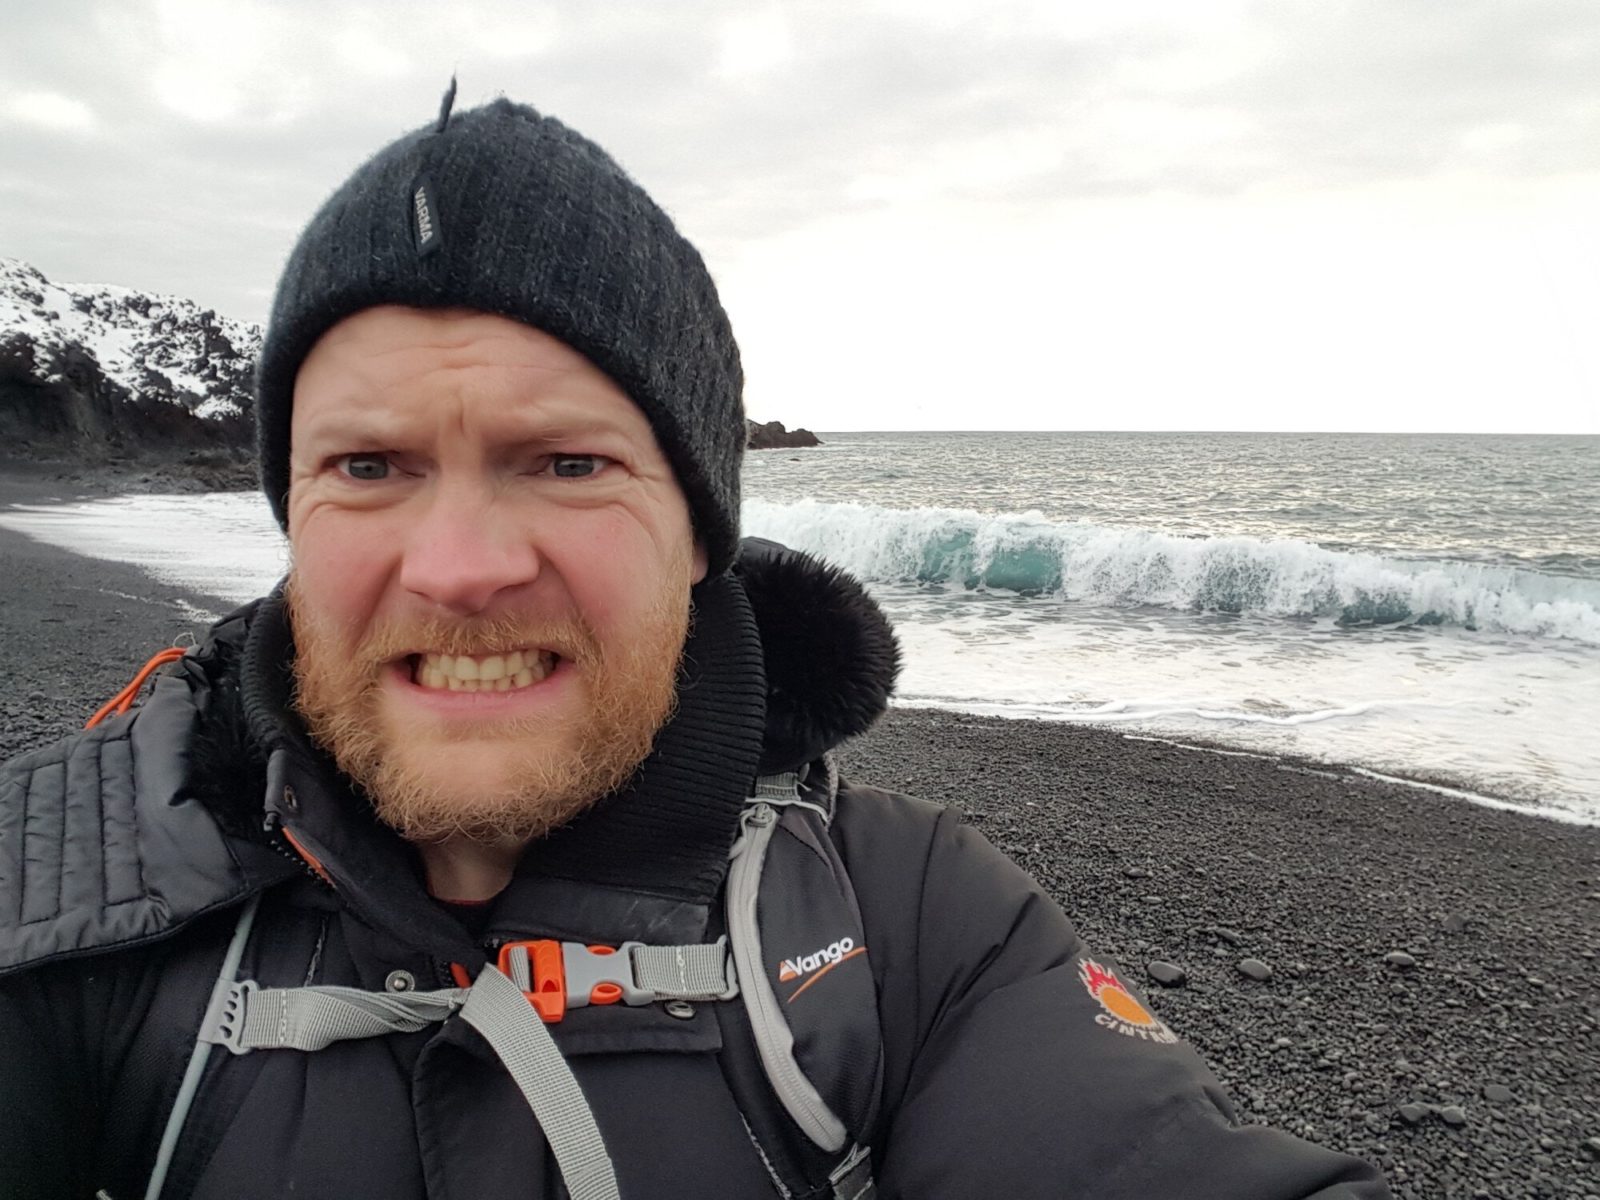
x,y
809,1001
802,1049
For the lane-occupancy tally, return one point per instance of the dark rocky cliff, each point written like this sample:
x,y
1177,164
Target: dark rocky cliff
x,y
96,373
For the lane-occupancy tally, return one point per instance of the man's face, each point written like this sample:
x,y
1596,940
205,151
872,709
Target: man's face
x,y
491,571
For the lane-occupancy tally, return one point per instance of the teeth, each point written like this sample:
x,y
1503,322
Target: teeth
x,y
491,673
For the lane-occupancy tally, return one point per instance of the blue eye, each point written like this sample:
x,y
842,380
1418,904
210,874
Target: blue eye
x,y
575,466
366,466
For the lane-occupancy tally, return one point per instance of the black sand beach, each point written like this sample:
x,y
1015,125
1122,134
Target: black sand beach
x,y
1469,1066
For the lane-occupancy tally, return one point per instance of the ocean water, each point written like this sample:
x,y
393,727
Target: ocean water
x,y
1419,606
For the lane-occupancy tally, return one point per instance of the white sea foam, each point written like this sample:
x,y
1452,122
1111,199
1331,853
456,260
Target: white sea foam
x,y
1508,714
1126,567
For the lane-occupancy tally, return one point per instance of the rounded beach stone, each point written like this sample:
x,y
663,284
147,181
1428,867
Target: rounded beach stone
x,y
1399,958
1453,1114
1413,1114
1497,1093
1255,969
1167,974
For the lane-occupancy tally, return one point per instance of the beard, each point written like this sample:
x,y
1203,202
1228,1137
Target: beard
x,y
502,779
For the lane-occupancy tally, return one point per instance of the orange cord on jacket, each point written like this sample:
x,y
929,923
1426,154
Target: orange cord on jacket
x,y
123,700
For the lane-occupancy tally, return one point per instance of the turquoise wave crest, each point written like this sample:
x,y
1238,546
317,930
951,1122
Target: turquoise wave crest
x,y
1126,567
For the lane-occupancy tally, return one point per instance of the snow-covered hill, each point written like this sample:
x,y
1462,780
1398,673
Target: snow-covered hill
x,y
100,370
119,367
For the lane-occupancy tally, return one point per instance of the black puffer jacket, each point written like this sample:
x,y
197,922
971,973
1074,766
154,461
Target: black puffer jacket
x,y
126,852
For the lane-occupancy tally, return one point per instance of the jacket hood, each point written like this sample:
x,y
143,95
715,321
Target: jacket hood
x,y
830,654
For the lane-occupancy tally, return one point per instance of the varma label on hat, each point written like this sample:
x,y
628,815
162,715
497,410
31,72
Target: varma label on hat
x,y
426,232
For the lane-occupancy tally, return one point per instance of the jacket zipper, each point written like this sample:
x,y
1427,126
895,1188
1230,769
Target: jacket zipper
x,y
272,825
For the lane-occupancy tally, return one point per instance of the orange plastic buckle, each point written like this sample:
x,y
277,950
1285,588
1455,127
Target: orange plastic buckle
x,y
547,975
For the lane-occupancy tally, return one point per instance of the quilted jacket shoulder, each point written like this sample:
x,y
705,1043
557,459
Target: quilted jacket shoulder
x,y
103,844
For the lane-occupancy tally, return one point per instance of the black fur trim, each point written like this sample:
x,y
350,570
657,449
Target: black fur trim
x,y
831,656
229,769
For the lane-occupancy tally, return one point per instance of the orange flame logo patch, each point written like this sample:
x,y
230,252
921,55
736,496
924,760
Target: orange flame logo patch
x,y
1120,1010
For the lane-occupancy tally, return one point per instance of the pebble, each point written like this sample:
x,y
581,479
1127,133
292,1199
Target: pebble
x,y
1167,974
1454,1115
1136,872
1414,1114
1592,1145
1399,958
1232,936
1255,969
1497,1093
1455,923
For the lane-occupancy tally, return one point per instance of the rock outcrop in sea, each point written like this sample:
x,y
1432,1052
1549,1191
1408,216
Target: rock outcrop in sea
x,y
772,435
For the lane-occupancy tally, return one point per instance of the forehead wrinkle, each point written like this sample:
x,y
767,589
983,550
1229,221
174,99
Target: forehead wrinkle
x,y
442,383
492,414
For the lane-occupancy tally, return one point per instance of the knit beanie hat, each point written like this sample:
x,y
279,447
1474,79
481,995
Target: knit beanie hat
x,y
506,211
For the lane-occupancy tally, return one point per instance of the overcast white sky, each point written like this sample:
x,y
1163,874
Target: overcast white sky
x,y
1115,214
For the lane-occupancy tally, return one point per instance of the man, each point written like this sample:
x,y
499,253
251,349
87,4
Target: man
x,y
343,908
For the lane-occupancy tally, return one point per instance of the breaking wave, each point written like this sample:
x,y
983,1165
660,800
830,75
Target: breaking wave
x,y
1094,564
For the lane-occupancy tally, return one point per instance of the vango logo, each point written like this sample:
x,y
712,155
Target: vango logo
x,y
794,968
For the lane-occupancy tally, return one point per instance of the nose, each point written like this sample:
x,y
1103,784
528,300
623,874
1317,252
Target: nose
x,y
465,550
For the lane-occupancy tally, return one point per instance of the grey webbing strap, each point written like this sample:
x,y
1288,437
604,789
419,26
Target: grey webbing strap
x,y
521,968
783,791
852,1179
250,1017
312,1018
699,972
244,1016
498,1010
779,788
202,1051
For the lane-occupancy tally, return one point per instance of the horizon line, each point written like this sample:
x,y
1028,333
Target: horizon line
x,y
1234,432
